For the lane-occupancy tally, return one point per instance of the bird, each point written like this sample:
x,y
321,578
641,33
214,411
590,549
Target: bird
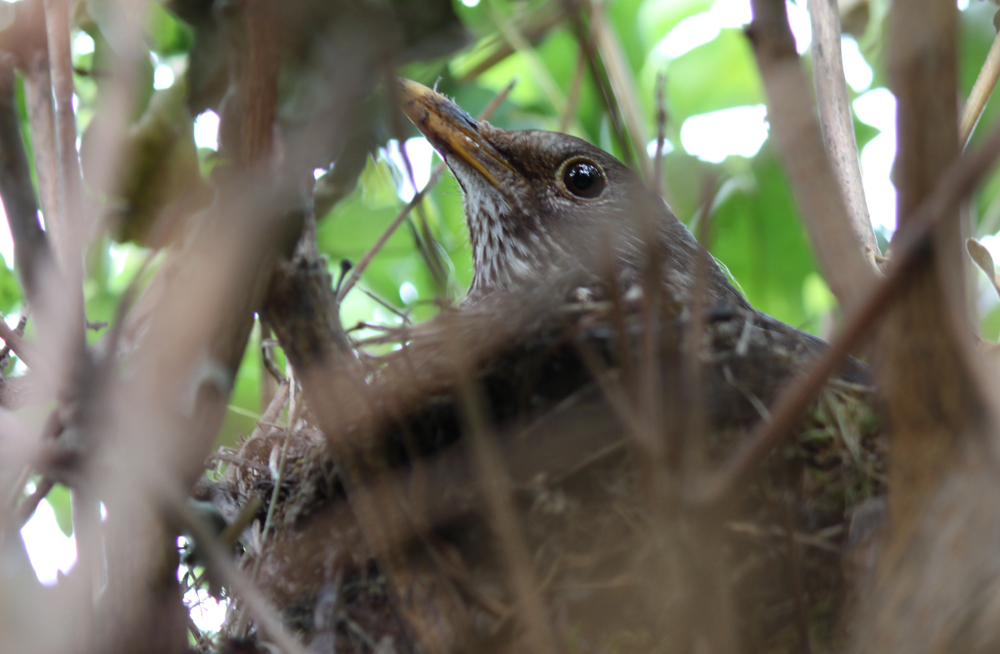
x,y
539,202
542,205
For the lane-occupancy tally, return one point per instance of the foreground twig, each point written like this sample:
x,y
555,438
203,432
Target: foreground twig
x,y
846,262
622,82
910,243
836,119
65,222
32,253
16,344
496,485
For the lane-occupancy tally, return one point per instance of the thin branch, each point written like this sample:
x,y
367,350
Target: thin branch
x,y
573,94
661,138
585,38
839,248
836,120
17,344
65,222
622,81
980,93
417,199
41,118
31,247
910,244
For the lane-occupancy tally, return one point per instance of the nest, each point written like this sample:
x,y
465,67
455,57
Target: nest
x,y
395,543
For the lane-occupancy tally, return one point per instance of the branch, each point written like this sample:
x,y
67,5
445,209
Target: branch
x,y
17,344
31,247
932,399
622,81
840,251
836,120
65,220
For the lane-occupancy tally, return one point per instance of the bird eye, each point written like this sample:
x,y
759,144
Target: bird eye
x,y
583,178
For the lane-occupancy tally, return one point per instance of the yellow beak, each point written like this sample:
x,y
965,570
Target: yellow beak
x,y
450,130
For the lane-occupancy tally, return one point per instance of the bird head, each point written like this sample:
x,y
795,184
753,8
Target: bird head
x,y
539,203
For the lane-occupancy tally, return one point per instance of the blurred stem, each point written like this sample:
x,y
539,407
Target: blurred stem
x,y
980,94
661,128
585,37
909,248
42,120
32,252
573,96
65,222
622,84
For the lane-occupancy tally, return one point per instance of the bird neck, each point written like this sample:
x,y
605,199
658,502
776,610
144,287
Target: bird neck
x,y
507,249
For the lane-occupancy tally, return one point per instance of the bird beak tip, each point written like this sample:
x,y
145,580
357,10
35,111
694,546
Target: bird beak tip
x,y
448,127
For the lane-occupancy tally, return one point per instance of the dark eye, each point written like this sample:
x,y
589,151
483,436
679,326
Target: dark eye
x,y
584,179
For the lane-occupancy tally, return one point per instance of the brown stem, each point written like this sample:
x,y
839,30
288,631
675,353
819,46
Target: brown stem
x,y
931,397
65,220
41,118
585,38
622,81
17,344
32,252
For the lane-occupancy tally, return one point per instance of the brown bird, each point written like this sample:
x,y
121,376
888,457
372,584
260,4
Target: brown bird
x,y
542,205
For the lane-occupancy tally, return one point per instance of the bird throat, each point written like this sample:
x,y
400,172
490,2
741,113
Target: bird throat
x,y
509,248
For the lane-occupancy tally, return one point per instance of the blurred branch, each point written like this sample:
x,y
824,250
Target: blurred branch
x,y
836,120
839,249
909,246
436,174
65,220
41,118
585,37
16,344
259,82
661,137
32,253
622,81
573,95
932,398
522,46
980,93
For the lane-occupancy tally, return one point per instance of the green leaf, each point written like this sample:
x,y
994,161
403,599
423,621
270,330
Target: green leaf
x,y
718,75
10,291
60,500
758,235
